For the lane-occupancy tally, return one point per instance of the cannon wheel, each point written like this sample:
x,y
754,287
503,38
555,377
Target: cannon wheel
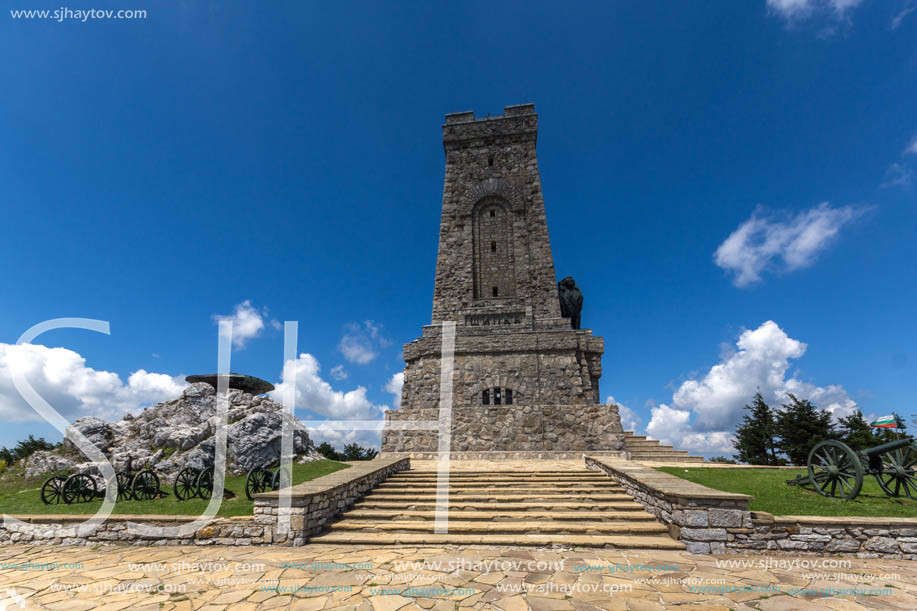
x,y
145,485
835,470
124,486
257,480
204,483
52,491
79,488
899,473
185,482
280,476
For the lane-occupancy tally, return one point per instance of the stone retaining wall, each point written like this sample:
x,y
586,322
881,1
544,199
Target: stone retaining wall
x,y
65,530
709,521
313,504
863,537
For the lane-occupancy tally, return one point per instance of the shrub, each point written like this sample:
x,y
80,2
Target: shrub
x,y
352,451
24,449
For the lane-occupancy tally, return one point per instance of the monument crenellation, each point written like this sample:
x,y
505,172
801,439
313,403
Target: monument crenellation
x,y
526,377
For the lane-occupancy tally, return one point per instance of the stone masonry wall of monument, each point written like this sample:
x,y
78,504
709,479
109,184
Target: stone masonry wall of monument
x,y
524,379
540,368
514,429
493,162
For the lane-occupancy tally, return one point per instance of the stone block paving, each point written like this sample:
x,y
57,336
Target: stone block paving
x,y
214,578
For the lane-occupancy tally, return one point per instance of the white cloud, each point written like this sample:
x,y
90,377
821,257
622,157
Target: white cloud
x,y
338,373
763,242
395,386
897,19
339,439
672,426
313,394
897,175
791,9
704,412
798,10
357,349
247,322
60,376
912,147
360,341
374,330
316,395
629,419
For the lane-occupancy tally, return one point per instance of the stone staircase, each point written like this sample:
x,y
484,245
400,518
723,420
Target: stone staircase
x,y
640,448
572,508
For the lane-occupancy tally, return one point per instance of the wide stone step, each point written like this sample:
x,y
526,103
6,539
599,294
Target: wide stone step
x,y
524,527
504,479
633,514
500,472
495,473
607,541
639,445
649,456
498,482
609,488
585,508
417,496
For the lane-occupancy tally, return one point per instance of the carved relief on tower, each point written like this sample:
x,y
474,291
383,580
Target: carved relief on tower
x,y
494,262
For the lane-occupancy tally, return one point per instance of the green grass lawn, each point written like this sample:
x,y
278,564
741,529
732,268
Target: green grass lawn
x,y
24,497
774,496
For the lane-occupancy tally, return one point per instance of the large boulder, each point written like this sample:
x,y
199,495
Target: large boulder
x,y
94,429
44,462
182,432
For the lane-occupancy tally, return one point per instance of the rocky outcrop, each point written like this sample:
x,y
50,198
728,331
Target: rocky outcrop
x,y
178,433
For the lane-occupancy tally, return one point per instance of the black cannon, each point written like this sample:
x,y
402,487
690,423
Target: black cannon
x,y
82,487
261,479
835,470
192,482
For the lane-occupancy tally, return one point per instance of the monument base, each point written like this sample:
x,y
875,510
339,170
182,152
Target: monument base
x,y
505,455
511,429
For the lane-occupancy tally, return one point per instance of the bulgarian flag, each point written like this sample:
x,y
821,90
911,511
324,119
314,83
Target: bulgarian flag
x,y
885,422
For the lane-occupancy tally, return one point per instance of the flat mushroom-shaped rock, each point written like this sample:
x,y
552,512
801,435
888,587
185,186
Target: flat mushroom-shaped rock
x,y
238,381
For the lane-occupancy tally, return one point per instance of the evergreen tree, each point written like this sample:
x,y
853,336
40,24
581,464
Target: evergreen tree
x,y
856,433
724,460
799,426
353,451
328,451
755,436
24,449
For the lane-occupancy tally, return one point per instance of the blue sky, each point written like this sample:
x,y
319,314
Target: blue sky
x,y
732,187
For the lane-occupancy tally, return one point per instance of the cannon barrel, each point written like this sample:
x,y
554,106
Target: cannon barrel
x,y
888,447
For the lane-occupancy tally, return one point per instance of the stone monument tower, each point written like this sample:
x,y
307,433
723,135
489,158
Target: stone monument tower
x,y
525,381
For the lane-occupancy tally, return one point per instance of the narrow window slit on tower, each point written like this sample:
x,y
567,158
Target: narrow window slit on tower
x,y
493,213
485,397
496,396
496,292
493,247
509,396
490,161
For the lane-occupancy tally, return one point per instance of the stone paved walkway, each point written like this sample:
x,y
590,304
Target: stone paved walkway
x,y
240,579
